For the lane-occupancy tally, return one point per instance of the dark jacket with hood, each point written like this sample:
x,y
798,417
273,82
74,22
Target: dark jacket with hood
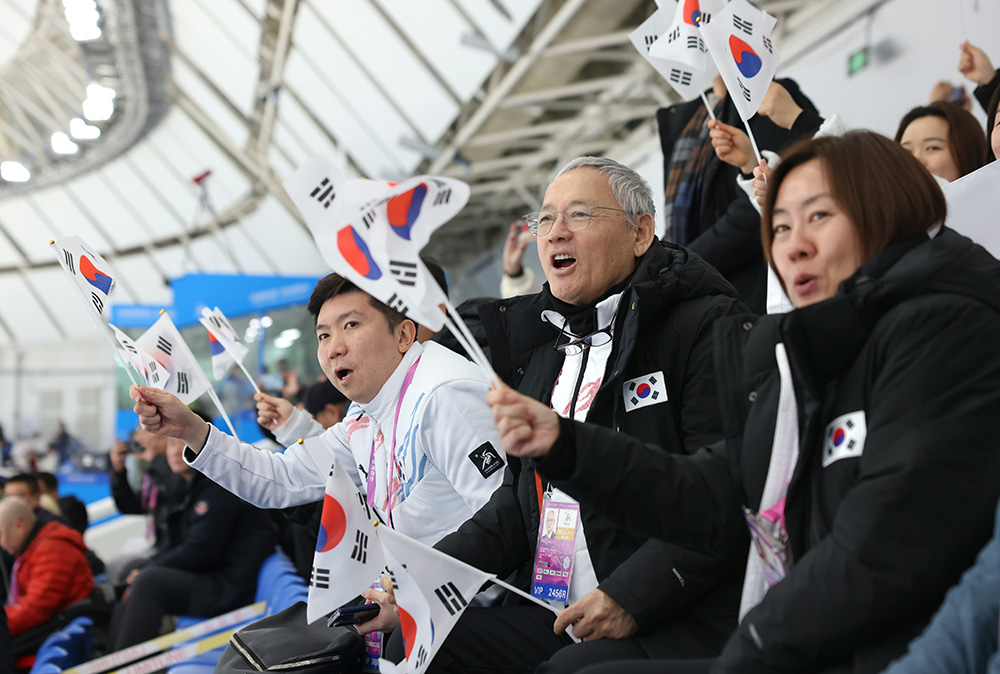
x,y
222,539
877,533
663,323
722,225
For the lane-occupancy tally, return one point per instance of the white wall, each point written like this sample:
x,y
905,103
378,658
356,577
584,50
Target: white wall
x,y
43,383
925,36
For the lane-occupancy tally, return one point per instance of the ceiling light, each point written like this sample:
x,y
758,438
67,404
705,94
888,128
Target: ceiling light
x,y
80,130
266,321
14,172
100,102
83,18
82,33
61,144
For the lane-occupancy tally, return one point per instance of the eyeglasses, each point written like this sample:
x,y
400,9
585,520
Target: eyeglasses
x,y
576,218
578,345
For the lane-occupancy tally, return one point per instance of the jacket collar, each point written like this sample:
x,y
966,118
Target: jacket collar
x,y
383,405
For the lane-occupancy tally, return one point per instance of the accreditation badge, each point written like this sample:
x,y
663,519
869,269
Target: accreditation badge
x,y
557,534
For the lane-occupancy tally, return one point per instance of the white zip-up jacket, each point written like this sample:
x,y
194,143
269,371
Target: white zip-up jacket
x,y
446,448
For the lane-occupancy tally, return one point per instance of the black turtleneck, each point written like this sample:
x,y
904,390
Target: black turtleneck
x,y
582,319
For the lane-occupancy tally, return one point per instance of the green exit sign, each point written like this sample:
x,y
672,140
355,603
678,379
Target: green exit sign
x,y
857,61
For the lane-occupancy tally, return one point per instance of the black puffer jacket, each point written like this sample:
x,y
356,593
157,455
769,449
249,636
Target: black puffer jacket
x,y
222,539
723,226
679,597
879,532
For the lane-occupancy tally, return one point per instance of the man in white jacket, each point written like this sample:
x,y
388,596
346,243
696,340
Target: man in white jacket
x,y
418,442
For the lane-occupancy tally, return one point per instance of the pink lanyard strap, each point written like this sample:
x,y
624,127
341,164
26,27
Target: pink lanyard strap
x,y
392,482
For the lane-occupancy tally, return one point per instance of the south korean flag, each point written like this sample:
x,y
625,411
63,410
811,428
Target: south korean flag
x,y
348,557
844,437
153,374
644,391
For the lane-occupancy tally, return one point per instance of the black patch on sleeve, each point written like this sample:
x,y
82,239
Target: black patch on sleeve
x,y
486,459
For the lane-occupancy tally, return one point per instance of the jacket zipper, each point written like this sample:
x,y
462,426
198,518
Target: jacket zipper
x,y
579,382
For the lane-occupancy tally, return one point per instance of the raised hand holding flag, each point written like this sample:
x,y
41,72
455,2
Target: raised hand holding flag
x,y
187,380
739,40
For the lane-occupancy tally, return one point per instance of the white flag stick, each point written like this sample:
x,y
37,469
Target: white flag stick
x,y
522,593
222,411
464,335
243,367
753,141
128,369
708,107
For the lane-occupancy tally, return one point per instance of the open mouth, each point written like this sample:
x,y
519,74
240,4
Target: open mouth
x,y
805,284
563,261
342,373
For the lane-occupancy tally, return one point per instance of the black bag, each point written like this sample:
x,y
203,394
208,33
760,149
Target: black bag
x,y
284,642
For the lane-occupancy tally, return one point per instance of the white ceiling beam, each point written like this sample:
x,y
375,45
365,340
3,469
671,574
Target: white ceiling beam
x,y
566,91
363,67
276,68
419,55
587,45
545,129
498,93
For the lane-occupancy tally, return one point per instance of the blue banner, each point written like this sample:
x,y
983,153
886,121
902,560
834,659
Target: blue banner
x,y
237,295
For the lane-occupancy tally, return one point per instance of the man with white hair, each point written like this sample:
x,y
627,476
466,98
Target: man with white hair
x,y
619,336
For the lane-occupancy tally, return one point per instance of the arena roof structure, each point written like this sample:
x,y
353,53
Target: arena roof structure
x,y
160,132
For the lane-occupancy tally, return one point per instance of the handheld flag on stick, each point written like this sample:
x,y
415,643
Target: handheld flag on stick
x,y
187,380
739,40
432,590
164,342
370,232
670,41
347,556
152,373
92,277
225,345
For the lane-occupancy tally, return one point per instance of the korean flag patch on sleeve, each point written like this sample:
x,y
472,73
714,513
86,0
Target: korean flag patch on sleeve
x,y
644,391
844,437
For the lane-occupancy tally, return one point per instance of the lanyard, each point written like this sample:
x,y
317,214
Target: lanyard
x,y
392,483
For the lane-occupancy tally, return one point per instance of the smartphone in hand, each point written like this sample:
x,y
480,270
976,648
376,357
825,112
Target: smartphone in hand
x,y
352,615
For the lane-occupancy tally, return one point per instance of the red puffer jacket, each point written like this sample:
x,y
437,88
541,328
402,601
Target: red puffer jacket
x,y
53,573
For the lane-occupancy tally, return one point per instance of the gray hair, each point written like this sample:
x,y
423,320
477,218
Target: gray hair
x,y
630,189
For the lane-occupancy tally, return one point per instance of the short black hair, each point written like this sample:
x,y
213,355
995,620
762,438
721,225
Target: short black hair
x,y
28,479
332,285
321,394
50,481
437,272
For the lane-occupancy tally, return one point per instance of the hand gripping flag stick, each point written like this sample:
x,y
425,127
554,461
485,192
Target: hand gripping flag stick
x,y
189,359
